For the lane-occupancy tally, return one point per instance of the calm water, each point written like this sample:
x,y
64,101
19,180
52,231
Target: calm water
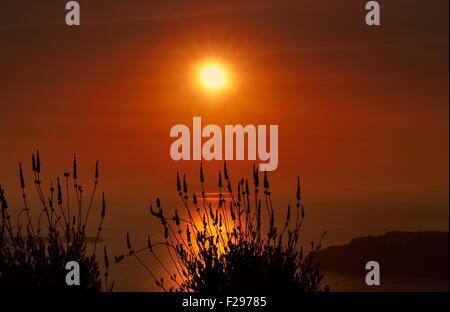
x,y
341,282
130,276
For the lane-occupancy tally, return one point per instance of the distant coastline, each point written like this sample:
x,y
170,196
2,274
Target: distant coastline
x,y
416,261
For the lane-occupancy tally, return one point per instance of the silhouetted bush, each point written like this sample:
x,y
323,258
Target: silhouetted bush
x,y
33,255
234,245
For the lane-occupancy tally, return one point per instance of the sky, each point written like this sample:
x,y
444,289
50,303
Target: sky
x,y
362,111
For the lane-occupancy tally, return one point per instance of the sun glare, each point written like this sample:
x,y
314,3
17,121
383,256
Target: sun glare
x,y
213,76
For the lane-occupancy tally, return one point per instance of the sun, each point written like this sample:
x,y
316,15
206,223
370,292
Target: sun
x,y
213,76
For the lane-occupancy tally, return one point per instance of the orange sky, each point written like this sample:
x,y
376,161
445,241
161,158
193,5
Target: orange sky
x,y
362,112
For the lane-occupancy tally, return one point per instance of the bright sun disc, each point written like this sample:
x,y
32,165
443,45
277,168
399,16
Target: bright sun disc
x,y
213,77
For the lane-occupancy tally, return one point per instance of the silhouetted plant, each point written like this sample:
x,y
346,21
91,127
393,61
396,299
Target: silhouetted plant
x,y
234,245
33,255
